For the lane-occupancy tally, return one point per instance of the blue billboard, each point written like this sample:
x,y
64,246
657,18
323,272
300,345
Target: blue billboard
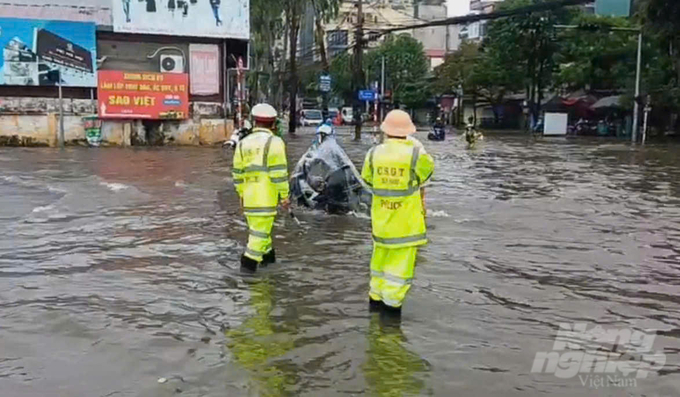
x,y
31,48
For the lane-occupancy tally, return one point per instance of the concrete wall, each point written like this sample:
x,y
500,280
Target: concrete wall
x,y
35,122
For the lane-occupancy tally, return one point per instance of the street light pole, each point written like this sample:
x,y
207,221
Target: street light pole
x,y
382,90
636,109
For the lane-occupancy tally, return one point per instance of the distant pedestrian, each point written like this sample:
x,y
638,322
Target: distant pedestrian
x,y
126,10
215,4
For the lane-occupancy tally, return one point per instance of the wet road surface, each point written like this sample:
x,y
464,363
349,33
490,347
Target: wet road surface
x,y
119,267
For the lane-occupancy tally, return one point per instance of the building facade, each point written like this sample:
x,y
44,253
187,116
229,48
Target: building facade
x,y
476,31
438,40
148,72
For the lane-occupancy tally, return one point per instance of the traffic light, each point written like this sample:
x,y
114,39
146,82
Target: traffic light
x,y
613,8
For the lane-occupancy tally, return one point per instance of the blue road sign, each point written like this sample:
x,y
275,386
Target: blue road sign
x,y
366,95
325,83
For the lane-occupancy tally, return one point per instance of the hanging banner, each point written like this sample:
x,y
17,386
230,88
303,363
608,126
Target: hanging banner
x,y
205,18
205,69
31,48
143,95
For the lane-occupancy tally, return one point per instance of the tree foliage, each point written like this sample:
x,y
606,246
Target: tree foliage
x,y
599,59
406,69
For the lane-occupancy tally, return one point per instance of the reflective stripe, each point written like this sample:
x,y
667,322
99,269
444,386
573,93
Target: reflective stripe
x,y
414,163
265,153
370,161
257,210
391,278
238,181
262,168
256,168
395,193
392,303
280,167
400,240
279,180
254,253
397,280
258,234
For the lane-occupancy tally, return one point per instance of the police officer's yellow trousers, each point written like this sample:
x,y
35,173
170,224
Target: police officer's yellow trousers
x,y
259,236
392,274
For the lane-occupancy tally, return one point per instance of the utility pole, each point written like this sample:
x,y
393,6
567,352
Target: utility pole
x,y
357,77
636,109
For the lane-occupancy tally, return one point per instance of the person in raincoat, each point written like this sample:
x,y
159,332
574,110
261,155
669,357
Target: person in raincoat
x,y
260,174
326,179
396,170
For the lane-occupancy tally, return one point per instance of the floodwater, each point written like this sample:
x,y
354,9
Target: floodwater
x,y
119,276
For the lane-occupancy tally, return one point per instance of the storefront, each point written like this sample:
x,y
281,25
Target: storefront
x,y
152,73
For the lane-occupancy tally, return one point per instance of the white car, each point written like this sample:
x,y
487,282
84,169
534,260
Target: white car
x,y
347,117
311,117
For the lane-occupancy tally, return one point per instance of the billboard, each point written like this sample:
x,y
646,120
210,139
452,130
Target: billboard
x,y
143,95
31,48
205,69
196,18
613,8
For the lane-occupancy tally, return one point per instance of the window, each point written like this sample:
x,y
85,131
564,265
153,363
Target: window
x,y
337,41
337,38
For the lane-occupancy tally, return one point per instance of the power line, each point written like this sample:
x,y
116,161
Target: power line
x,y
466,19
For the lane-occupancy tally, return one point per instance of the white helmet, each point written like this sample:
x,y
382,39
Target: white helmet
x,y
264,112
325,130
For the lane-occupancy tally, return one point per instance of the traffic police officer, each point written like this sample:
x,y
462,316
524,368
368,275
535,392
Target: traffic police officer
x,y
396,170
260,174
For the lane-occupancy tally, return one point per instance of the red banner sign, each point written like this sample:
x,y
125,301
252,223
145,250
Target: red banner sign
x,y
143,95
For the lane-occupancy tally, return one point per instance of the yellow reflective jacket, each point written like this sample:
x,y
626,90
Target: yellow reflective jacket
x,y
396,170
260,172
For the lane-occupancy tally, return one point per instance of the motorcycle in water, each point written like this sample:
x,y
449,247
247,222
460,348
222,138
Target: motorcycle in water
x,y
438,133
326,179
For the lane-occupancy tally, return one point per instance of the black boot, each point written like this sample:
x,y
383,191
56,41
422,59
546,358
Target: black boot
x,y
248,264
269,257
374,306
391,312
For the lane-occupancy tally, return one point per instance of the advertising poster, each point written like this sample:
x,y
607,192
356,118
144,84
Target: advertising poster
x,y
197,18
143,95
31,48
205,69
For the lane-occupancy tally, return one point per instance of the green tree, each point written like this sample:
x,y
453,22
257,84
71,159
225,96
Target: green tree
x,y
661,18
406,69
529,41
267,26
598,59
341,75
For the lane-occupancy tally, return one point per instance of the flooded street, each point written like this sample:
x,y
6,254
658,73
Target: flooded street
x,y
119,275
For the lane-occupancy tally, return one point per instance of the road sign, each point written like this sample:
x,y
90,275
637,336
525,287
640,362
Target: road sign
x,y
325,83
366,95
